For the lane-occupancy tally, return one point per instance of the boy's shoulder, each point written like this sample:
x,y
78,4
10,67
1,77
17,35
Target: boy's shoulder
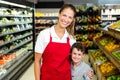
x,y
86,65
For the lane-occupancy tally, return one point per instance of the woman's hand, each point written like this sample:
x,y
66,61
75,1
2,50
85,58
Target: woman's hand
x,y
90,74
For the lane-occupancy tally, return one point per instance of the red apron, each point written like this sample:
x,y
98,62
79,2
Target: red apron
x,y
56,62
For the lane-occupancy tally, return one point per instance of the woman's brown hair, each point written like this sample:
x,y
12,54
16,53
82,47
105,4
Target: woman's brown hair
x,y
70,28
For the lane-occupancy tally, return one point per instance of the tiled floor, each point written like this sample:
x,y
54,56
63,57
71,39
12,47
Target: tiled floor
x,y
29,74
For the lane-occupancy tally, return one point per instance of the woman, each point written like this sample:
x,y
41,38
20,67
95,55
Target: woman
x,y
53,47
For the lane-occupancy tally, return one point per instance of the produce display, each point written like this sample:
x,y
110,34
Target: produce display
x,y
114,29
15,32
78,37
97,35
12,37
111,48
86,39
15,16
6,58
43,21
116,53
106,62
99,57
114,77
92,11
45,14
12,11
105,40
108,42
112,45
4,21
90,36
115,26
108,68
87,43
86,23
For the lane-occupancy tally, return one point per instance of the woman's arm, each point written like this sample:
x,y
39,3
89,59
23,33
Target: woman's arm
x,y
37,65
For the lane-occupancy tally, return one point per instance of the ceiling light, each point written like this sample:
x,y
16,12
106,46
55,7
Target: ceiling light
x,y
12,4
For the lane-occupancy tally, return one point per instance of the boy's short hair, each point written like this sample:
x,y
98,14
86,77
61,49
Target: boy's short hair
x,y
78,46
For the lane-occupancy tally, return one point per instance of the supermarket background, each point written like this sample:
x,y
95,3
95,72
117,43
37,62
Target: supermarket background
x,y
97,27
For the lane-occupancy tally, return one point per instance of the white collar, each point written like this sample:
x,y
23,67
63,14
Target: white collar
x,y
53,33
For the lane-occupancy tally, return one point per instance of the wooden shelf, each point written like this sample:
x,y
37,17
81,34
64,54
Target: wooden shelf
x,y
92,61
96,68
112,32
109,56
99,74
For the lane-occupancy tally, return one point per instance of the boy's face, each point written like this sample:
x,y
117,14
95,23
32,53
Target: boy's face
x,y
76,56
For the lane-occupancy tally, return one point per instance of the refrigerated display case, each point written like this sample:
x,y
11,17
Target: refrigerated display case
x,y
16,40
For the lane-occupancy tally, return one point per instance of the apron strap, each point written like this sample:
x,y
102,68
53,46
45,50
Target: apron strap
x,y
50,38
68,40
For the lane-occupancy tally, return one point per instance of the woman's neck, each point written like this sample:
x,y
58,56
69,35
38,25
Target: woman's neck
x,y
59,31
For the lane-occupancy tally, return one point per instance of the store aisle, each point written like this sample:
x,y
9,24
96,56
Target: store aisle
x,y
29,74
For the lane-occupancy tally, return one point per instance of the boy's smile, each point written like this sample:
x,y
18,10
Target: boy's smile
x,y
76,56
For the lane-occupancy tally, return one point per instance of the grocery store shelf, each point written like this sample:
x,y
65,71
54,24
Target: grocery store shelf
x,y
14,23
15,32
109,56
16,26
99,74
6,15
92,61
14,40
15,70
47,17
18,46
41,27
112,32
106,31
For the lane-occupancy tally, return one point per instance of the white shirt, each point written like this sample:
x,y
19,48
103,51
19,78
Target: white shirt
x,y
44,37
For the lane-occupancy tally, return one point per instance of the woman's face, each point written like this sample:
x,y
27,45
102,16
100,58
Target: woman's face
x,y
76,56
66,17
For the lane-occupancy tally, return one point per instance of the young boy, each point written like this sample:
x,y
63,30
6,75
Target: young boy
x,y
80,70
